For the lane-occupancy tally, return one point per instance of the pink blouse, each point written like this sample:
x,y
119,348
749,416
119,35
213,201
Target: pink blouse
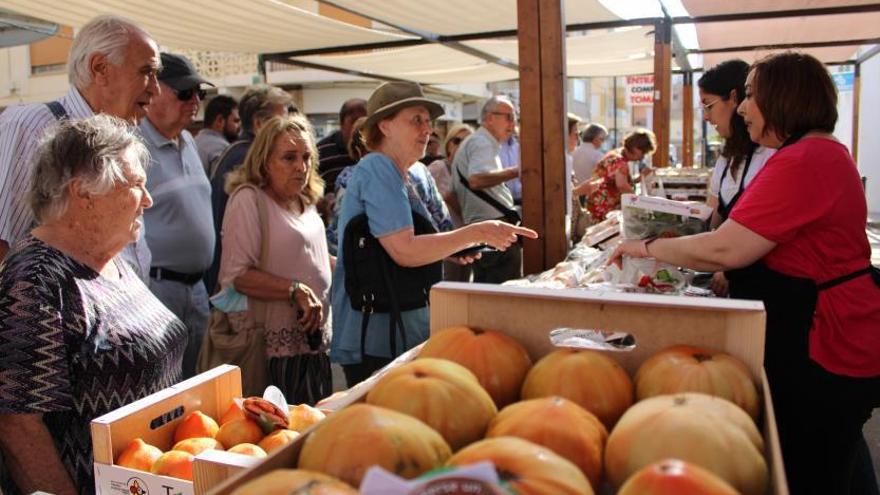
x,y
297,250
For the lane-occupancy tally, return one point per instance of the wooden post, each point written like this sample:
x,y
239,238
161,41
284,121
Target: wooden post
x,y
662,89
543,130
530,134
555,128
687,120
857,90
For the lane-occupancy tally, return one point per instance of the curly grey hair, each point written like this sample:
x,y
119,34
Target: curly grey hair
x,y
109,35
91,150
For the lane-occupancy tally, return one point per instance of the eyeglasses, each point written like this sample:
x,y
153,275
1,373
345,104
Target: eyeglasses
x,y
187,94
708,106
509,116
418,121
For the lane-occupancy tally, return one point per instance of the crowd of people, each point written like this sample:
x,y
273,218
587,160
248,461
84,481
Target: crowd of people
x,y
120,230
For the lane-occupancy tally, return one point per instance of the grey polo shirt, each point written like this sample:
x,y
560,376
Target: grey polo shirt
x,y
478,154
180,225
211,145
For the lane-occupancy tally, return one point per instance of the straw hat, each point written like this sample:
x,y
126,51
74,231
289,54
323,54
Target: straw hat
x,y
393,96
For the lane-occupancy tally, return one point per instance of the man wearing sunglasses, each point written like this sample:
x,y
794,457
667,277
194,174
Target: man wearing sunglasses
x,y
179,226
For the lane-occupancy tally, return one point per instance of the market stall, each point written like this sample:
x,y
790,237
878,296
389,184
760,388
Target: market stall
x,y
533,310
530,315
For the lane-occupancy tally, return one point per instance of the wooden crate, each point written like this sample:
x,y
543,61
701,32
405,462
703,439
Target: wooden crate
x,y
154,419
655,321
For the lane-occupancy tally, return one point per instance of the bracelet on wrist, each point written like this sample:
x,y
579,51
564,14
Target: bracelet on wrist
x,y
291,292
644,246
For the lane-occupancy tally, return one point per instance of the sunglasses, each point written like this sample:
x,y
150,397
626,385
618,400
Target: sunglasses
x,y
456,140
187,94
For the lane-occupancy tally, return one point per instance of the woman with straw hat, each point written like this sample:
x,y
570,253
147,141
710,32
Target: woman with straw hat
x,y
397,130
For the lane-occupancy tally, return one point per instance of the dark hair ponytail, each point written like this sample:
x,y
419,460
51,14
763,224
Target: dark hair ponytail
x,y
720,80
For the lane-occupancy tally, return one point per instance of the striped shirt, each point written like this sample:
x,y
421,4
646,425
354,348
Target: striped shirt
x,y
333,159
21,128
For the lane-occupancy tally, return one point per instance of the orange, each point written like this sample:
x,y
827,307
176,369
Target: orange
x,y
196,425
234,412
303,416
277,439
239,431
196,446
248,449
174,463
138,455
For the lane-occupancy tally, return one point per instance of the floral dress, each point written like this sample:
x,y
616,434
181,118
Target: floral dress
x,y
607,197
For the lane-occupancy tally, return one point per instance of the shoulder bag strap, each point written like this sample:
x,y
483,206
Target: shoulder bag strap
x,y
217,161
58,110
482,195
258,306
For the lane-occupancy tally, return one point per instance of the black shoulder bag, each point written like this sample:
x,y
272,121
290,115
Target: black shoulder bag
x,y
376,284
508,215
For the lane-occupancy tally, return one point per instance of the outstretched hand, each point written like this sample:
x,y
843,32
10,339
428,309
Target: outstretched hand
x,y
501,235
633,248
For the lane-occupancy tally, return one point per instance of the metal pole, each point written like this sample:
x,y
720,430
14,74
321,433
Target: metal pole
x,y
614,99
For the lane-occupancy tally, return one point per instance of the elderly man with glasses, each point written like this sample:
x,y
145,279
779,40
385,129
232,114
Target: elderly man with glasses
x,y
478,179
180,225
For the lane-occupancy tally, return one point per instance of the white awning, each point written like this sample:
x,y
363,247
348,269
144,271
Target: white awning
x,y
452,17
246,26
274,26
601,53
770,33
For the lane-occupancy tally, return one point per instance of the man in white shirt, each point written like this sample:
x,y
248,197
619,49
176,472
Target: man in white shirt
x,y
478,180
112,69
589,153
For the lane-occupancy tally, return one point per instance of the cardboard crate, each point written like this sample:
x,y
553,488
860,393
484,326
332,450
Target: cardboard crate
x,y
154,419
528,314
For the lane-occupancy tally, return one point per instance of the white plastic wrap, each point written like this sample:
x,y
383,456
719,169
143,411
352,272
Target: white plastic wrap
x,y
645,217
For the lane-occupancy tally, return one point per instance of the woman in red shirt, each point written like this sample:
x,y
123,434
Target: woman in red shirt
x,y
798,232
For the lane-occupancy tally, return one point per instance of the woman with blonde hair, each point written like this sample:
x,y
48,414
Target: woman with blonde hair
x,y
281,171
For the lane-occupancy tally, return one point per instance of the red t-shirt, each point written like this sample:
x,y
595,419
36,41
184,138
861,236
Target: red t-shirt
x,y
809,200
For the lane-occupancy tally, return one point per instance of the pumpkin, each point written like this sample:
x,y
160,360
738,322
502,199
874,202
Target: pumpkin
x,y
499,361
560,425
290,481
590,379
710,432
443,394
348,442
675,477
685,368
529,469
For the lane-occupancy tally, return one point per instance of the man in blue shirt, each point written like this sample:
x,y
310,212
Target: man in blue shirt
x,y
179,226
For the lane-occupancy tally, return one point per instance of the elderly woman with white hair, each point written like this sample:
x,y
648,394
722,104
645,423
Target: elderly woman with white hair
x,y
81,334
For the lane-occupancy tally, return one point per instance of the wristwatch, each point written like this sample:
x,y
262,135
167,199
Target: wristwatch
x,y
294,286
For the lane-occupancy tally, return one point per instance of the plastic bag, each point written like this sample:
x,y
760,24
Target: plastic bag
x,y
645,217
